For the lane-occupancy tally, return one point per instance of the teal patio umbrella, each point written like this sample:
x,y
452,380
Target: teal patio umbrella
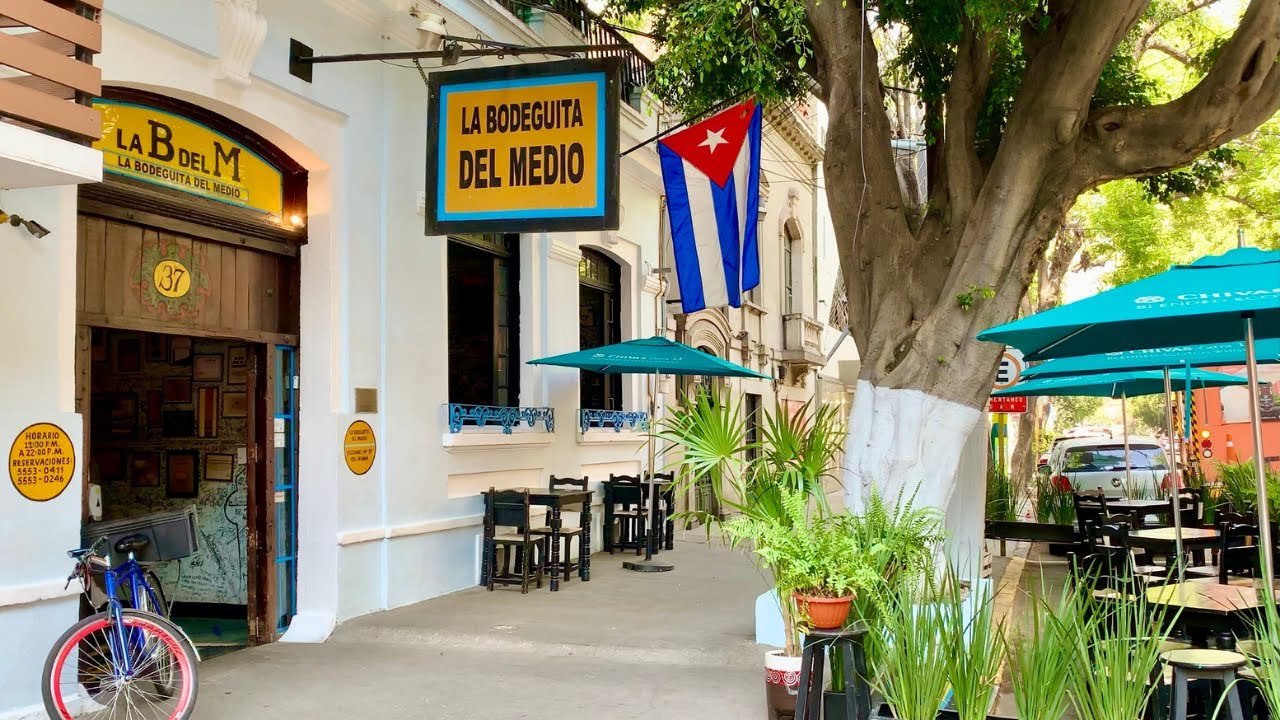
x,y
1115,385
1211,355
1217,299
650,356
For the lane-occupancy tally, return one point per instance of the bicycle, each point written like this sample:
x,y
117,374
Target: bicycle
x,y
123,662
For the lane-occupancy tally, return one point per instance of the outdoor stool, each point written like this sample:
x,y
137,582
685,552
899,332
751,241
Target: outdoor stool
x,y
857,695
1216,666
1254,700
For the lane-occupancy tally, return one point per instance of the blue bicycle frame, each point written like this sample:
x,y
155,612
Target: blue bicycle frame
x,y
124,639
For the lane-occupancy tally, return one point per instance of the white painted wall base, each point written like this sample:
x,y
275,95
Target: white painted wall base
x,y
904,443
310,628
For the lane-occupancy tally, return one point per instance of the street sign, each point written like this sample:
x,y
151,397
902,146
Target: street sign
x,y
1011,367
1008,404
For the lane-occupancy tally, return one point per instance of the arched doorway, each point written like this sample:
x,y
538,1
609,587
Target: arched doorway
x,y
599,316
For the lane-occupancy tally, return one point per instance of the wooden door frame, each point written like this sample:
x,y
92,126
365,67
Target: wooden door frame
x,y
260,475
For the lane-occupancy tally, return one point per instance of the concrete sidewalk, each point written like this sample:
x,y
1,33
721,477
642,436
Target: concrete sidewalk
x,y
625,645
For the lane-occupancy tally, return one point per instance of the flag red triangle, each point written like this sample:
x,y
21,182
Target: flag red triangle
x,y
712,145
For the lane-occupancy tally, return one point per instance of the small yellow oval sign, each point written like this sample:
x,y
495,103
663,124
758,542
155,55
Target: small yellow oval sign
x,y
42,462
172,279
359,446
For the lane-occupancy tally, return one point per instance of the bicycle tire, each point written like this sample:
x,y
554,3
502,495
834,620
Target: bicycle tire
x,y
158,590
55,705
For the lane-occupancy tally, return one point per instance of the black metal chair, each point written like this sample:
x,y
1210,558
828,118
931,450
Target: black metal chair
x,y
1112,559
511,509
624,511
1089,505
567,565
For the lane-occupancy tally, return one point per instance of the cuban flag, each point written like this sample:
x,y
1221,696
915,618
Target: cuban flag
x,y
711,172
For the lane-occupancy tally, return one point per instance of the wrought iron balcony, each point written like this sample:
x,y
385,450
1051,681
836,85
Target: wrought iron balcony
x,y
47,77
637,69
507,418
636,420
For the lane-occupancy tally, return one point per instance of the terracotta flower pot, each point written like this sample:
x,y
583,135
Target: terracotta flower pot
x,y
781,685
824,613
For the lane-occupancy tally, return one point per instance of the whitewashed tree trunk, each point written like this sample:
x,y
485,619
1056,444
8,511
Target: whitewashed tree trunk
x,y
905,444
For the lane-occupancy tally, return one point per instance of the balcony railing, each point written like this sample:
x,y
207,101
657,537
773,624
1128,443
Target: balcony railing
x,y
616,420
47,77
637,70
506,418
801,340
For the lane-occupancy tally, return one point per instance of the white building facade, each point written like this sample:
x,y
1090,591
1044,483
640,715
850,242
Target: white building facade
x,y
331,390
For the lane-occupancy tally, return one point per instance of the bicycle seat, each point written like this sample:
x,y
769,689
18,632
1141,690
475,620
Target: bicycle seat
x,y
132,544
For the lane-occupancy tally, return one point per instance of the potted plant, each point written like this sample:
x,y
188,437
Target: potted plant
x,y
750,482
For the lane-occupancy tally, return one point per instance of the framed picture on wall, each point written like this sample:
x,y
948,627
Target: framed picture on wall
x,y
218,467
127,357
235,405
207,412
237,365
144,469
208,368
183,479
177,390
180,350
110,465
179,423
156,347
155,403
123,408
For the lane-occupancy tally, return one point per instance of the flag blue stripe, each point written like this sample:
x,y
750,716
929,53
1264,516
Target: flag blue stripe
x,y
688,272
750,249
725,201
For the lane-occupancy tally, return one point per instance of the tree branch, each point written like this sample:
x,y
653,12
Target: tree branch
x,y
968,89
1240,91
1149,29
1171,51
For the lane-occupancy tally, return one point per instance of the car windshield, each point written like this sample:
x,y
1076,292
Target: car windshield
x,y
1107,458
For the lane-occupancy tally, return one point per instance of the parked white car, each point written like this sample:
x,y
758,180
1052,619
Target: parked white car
x,y
1098,463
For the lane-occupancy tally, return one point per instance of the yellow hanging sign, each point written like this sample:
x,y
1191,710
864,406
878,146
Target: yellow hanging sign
x,y
42,462
160,147
360,447
171,278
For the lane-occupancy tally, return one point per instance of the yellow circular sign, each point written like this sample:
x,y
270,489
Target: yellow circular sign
x,y
42,462
171,278
359,447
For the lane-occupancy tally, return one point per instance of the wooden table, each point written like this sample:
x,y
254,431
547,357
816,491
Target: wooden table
x,y
1139,507
556,500
1162,540
1208,607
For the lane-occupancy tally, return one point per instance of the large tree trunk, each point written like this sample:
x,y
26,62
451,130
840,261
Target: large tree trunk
x,y
920,291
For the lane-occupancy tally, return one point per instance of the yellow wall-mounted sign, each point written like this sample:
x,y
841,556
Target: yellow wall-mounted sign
x,y
42,462
171,278
523,147
359,447
157,146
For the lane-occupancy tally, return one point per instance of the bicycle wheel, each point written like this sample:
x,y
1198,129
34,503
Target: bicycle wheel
x,y
84,675
166,676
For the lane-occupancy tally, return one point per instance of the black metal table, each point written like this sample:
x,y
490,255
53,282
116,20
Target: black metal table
x,y
556,500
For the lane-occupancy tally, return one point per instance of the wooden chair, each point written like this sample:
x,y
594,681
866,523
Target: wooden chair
x,y
1237,552
1089,505
624,511
666,526
1108,543
511,509
567,532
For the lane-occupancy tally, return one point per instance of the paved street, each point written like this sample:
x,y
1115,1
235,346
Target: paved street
x,y
625,645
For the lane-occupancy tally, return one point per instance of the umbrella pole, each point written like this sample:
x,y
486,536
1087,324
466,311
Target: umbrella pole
x,y
1124,419
1173,472
1255,417
649,564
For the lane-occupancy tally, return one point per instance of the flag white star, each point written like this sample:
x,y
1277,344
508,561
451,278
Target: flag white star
x,y
714,140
